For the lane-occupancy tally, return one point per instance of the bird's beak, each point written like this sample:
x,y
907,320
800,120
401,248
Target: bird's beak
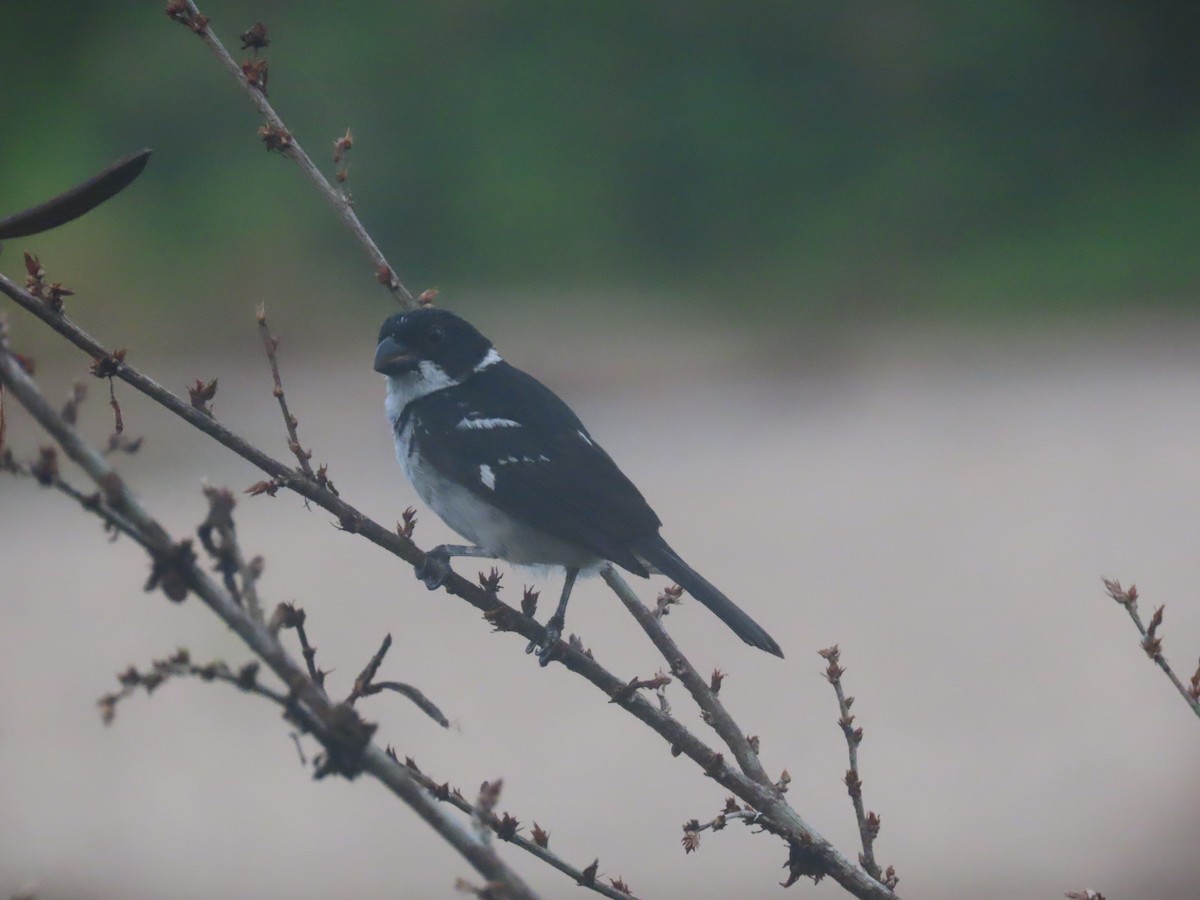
x,y
393,358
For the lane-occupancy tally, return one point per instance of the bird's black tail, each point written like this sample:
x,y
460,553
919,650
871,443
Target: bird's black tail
x,y
659,554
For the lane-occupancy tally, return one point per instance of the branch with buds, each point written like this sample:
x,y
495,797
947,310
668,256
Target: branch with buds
x,y
252,78
868,822
1152,641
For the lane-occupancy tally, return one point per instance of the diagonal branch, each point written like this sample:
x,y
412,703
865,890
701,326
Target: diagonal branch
x,y
1152,643
271,345
227,552
507,827
868,822
287,615
92,503
713,710
290,147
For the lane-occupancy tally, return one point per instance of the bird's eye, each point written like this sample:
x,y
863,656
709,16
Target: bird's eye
x,y
436,334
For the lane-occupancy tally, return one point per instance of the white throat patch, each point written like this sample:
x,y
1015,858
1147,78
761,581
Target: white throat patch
x,y
404,389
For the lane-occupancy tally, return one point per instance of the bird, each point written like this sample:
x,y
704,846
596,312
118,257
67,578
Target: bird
x,y
509,466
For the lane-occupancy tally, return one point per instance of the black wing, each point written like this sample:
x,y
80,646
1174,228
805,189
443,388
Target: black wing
x,y
546,471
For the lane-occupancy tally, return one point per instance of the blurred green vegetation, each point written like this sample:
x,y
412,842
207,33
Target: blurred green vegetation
x,y
814,160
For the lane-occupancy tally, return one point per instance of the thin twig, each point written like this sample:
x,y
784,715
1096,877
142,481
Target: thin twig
x,y
179,664
713,709
868,822
271,345
249,572
362,683
287,615
692,829
309,653
506,828
1152,643
231,561
365,685
287,144
413,694
92,503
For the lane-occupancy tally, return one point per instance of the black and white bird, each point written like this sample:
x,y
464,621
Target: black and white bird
x,y
507,464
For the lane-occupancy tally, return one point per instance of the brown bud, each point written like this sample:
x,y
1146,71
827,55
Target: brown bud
x,y
588,877
255,37
275,137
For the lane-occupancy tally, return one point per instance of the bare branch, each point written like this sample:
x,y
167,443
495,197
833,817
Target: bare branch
x,y
507,828
278,137
714,711
362,684
271,345
1152,643
288,616
732,812
365,685
818,853
179,664
227,553
92,503
418,699
868,822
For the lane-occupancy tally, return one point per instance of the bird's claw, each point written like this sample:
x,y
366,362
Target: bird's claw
x,y
435,569
547,646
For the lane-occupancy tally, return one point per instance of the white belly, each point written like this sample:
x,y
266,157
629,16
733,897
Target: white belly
x,y
483,524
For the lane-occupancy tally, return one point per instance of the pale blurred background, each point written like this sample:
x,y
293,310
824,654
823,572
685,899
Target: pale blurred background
x,y
891,313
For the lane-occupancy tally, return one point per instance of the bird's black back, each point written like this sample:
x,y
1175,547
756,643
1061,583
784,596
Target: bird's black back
x,y
548,473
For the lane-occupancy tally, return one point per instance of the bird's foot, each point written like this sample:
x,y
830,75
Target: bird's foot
x,y
548,645
435,569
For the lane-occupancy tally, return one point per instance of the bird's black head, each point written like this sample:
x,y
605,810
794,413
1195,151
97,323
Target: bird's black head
x,y
427,335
